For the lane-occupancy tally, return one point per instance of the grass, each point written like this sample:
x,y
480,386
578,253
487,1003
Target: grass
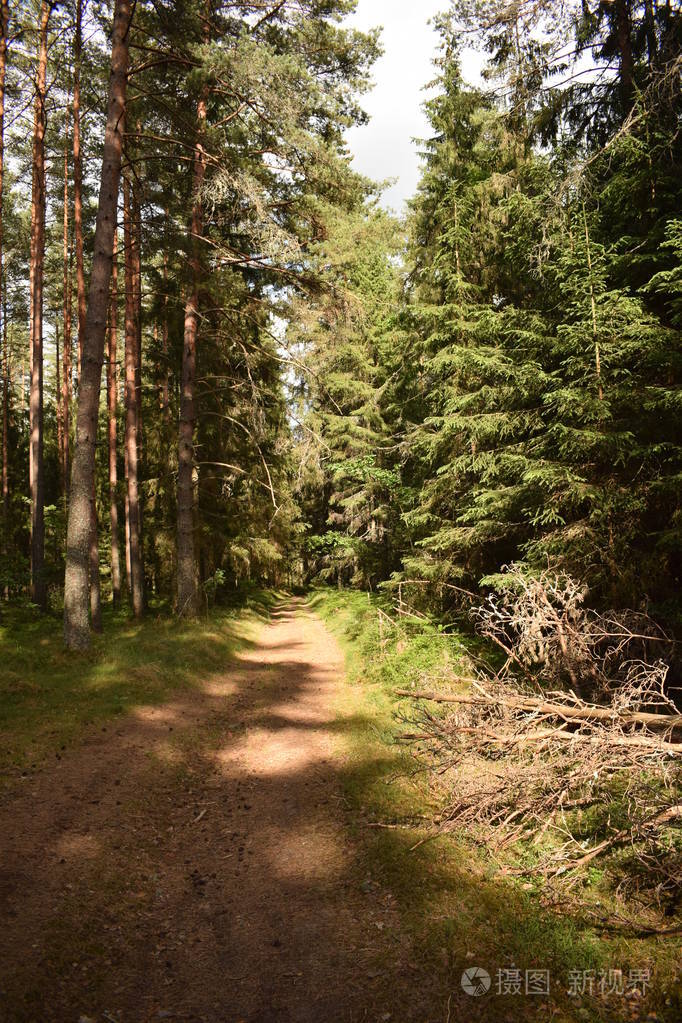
x,y
48,696
455,900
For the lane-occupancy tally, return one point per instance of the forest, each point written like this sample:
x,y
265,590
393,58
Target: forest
x,y
287,382
239,393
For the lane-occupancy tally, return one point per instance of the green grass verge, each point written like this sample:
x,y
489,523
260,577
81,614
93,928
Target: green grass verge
x,y
459,907
48,696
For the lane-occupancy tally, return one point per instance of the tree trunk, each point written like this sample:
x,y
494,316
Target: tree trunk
x,y
137,290
593,307
95,603
126,511
4,30
79,531
137,287
112,396
6,369
623,36
58,388
650,29
93,557
135,578
66,311
187,598
165,385
78,182
36,473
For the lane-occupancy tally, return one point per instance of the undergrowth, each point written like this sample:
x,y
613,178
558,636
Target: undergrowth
x,y
455,898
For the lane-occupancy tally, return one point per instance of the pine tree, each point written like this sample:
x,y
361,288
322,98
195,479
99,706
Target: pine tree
x,y
81,522
348,480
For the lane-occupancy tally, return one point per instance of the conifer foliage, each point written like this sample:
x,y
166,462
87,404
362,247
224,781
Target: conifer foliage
x,y
534,357
299,385
169,222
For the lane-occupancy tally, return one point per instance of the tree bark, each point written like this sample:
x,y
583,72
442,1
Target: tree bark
x,y
66,316
36,472
95,603
593,308
650,29
58,388
6,369
135,578
93,558
126,507
137,284
112,402
4,31
79,531
187,597
78,182
623,36
165,384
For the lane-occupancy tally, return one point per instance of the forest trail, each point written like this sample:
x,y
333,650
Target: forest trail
x,y
193,861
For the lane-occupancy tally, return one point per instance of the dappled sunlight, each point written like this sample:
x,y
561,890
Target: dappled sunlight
x,y
48,695
307,854
263,752
219,687
168,753
216,825
300,714
85,846
162,715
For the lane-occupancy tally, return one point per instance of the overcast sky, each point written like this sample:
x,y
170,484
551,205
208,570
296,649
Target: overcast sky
x,y
384,148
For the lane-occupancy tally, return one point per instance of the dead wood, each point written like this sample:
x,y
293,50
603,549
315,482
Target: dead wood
x,y
586,712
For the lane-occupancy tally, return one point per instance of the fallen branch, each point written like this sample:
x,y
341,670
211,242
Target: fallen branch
x,y
638,741
621,837
587,712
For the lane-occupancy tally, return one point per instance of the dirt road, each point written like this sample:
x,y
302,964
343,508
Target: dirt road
x,y
193,861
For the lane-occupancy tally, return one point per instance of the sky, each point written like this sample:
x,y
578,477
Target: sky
x,y
385,148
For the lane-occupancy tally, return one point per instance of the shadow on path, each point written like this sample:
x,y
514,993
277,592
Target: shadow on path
x,y
194,863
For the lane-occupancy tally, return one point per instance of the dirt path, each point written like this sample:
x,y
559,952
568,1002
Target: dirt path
x,y
193,862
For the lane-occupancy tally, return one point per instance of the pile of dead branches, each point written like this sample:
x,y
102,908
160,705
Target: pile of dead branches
x,y
532,758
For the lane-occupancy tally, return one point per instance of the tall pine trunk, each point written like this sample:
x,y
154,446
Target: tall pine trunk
x,y
126,502
165,373
95,605
6,371
78,182
95,590
80,525
37,260
187,597
137,291
135,577
58,388
112,403
66,318
4,31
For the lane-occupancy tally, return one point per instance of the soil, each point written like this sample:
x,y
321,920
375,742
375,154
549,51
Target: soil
x,y
196,861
